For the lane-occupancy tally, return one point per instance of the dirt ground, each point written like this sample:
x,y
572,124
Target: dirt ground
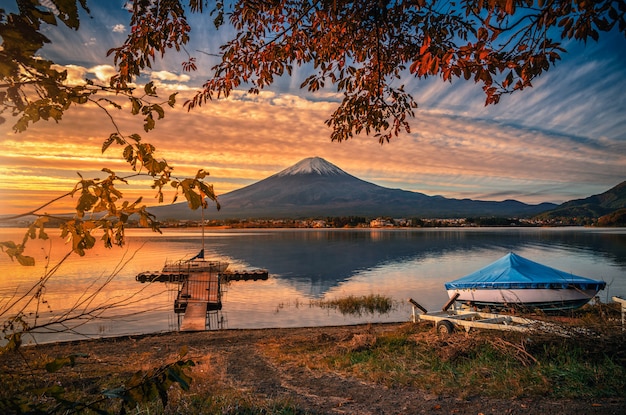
x,y
237,358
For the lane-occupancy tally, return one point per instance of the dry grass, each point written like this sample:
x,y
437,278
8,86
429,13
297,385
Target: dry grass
x,y
592,363
589,365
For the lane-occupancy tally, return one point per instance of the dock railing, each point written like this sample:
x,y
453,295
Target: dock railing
x,y
199,287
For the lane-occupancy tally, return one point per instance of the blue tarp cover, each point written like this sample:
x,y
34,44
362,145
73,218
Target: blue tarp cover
x,y
513,271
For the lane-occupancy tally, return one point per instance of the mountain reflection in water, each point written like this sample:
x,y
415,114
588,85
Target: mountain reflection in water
x,y
322,259
305,265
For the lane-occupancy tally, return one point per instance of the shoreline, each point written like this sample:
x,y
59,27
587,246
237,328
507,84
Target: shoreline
x,y
289,366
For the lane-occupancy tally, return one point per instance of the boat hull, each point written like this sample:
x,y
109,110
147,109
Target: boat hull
x,y
533,298
196,266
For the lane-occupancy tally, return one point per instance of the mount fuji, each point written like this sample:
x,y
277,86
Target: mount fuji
x,y
314,188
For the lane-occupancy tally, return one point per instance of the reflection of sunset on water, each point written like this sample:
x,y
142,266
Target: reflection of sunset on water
x,y
304,266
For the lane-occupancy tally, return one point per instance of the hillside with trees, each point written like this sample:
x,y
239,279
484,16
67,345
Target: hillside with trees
x,y
607,209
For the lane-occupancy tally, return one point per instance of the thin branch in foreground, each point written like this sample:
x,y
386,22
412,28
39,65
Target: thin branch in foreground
x,y
83,311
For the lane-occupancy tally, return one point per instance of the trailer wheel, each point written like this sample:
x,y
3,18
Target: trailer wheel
x,y
445,327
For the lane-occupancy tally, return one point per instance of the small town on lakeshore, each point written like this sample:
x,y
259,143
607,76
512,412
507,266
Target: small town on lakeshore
x,y
360,222
380,222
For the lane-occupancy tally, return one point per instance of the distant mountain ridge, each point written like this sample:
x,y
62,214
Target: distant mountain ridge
x,y
592,207
314,187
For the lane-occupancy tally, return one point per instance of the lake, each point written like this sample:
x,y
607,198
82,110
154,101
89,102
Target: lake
x,y
305,265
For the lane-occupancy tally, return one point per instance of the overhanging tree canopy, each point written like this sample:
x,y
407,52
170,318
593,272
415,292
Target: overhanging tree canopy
x,y
365,49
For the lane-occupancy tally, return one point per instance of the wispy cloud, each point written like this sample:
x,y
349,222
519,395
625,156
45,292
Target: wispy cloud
x,y
118,28
169,76
103,72
563,139
246,138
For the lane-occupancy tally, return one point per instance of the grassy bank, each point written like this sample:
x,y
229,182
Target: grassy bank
x,y
277,371
484,363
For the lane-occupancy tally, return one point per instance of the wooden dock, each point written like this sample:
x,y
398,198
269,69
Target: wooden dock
x,y
160,276
247,275
199,293
195,317
163,276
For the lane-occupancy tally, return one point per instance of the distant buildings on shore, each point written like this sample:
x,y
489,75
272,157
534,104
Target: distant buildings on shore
x,y
353,222
347,222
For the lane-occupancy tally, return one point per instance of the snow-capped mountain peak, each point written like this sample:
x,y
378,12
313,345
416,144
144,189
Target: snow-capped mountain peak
x,y
314,188
312,165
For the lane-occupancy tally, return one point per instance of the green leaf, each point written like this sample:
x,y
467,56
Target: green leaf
x,y
55,391
129,153
172,100
149,123
136,105
14,343
109,141
159,110
193,199
201,174
57,364
150,89
86,202
27,261
46,16
8,244
176,374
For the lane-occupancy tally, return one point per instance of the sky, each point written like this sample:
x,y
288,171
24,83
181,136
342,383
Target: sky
x,y
563,139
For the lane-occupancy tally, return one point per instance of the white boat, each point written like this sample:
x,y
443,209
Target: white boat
x,y
195,264
516,281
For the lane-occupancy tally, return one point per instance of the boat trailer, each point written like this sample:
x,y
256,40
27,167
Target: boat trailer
x,y
448,320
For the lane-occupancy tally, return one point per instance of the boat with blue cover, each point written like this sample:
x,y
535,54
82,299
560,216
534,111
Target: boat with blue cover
x,y
514,281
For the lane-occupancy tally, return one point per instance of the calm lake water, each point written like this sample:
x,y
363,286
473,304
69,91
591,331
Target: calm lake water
x,y
304,266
